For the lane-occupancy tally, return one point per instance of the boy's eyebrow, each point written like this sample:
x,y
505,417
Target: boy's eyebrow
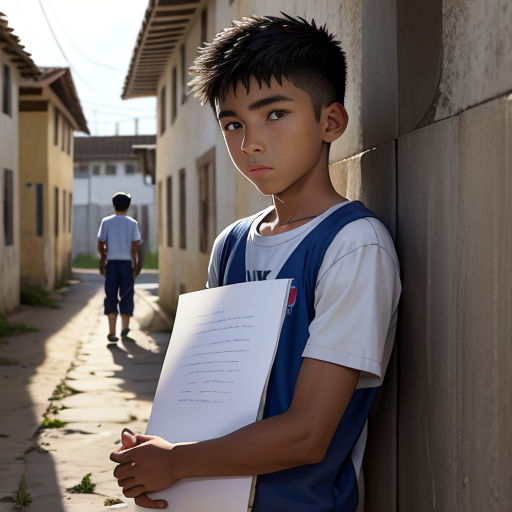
x,y
257,104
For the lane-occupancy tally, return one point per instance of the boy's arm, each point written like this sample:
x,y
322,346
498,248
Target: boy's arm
x,y
103,255
134,253
297,437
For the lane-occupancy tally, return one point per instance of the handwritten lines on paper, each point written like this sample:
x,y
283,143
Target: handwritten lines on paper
x,y
205,358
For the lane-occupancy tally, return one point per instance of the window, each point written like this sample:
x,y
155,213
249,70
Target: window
x,y
39,209
129,169
56,210
96,170
8,207
207,209
169,211
68,148
204,26
7,91
70,211
64,134
55,127
162,111
160,208
183,211
64,211
184,89
174,104
110,169
81,171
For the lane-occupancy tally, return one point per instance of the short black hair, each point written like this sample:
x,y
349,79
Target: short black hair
x,y
121,201
267,46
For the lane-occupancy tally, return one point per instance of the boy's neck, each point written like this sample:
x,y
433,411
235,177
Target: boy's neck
x,y
307,198
121,213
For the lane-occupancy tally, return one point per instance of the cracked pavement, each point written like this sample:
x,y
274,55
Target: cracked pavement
x,y
67,372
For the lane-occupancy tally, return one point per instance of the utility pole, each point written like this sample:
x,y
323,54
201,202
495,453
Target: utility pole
x,y
136,126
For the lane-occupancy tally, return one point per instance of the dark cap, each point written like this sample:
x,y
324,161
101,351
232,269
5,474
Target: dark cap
x,y
121,201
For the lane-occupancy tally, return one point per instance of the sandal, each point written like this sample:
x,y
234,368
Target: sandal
x,y
124,332
112,338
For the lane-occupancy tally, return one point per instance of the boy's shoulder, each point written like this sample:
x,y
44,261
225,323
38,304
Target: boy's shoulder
x,y
360,234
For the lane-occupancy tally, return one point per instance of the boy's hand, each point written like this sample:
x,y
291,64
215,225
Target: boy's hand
x,y
102,267
144,466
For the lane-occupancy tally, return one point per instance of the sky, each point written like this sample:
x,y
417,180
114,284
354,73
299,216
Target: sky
x,y
95,38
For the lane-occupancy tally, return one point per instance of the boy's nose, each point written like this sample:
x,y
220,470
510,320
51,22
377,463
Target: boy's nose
x,y
250,145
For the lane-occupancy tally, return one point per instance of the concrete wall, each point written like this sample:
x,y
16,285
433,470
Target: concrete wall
x,y
428,148
9,255
454,241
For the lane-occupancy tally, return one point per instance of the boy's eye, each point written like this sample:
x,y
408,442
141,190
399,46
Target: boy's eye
x,y
277,114
232,126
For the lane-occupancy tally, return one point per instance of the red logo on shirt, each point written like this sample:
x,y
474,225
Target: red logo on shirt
x,y
292,298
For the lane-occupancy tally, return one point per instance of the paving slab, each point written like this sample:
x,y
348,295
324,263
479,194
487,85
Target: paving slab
x,y
111,387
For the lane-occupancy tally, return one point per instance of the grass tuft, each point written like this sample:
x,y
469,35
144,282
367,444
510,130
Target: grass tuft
x,y
7,329
36,296
112,501
84,487
86,261
23,498
62,390
52,423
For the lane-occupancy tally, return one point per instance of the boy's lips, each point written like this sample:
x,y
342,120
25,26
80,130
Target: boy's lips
x,y
259,170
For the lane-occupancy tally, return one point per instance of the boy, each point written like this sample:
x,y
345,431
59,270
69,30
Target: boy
x,y
277,88
118,245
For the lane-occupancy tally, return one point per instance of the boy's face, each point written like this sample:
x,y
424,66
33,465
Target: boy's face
x,y
272,134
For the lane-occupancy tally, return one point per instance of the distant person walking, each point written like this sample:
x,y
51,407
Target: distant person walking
x,y
118,245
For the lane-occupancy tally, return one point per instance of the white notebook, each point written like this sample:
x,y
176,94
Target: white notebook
x,y
216,368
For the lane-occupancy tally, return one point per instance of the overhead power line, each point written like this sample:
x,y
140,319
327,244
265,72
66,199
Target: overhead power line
x,y
78,75
76,47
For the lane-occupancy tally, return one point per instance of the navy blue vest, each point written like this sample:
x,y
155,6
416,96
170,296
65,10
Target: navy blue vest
x,y
330,485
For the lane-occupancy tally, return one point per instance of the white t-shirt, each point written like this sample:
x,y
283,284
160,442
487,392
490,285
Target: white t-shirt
x,y
119,231
356,295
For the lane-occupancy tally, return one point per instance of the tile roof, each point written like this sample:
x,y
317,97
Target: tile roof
x,y
61,82
165,21
118,146
15,50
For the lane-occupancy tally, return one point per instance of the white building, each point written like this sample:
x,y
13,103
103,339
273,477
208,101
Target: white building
x,y
103,166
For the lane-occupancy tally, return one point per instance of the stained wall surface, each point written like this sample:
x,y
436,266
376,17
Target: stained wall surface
x,y
9,252
442,183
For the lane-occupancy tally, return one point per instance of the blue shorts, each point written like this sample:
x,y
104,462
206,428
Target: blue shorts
x,y
119,287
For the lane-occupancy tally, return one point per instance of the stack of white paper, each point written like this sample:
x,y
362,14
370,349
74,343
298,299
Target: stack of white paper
x,y
216,367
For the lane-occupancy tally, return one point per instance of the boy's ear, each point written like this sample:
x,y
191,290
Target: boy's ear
x,y
334,121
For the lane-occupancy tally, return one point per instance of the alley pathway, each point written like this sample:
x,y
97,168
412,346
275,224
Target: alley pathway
x,y
66,377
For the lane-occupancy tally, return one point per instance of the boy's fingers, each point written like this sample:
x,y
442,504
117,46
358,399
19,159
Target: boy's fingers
x,y
128,438
124,470
141,438
132,492
144,501
121,456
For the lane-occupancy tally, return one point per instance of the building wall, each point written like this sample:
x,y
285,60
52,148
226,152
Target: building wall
x,y
191,135
93,200
428,148
9,254
33,152
46,259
